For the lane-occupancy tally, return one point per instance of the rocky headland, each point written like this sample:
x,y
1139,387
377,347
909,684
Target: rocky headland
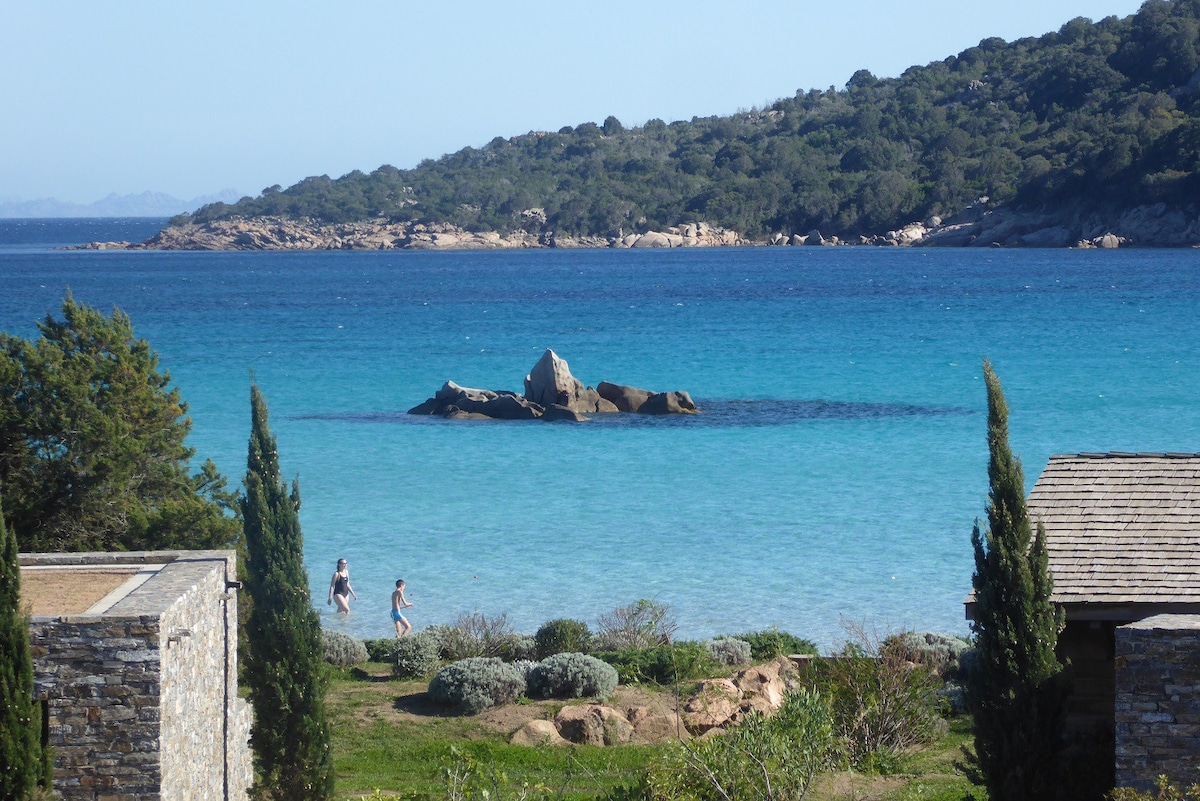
x,y
978,225
551,393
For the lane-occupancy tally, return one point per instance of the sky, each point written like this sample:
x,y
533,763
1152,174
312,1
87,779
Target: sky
x,y
192,99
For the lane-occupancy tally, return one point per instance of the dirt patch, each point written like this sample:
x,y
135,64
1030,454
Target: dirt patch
x,y
67,591
853,785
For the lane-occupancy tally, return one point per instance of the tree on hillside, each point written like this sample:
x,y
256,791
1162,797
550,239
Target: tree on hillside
x,y
92,453
284,670
22,762
1015,688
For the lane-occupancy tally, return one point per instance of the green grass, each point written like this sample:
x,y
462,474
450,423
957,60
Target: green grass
x,y
388,737
377,744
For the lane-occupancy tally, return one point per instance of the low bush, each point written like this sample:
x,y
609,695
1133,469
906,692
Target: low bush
x,y
773,758
415,656
524,667
514,647
941,653
563,635
728,651
882,703
380,650
475,684
342,650
473,634
641,624
665,665
1166,792
770,643
571,675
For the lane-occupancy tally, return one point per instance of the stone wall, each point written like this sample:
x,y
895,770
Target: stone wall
x,y
1158,701
142,694
101,678
198,643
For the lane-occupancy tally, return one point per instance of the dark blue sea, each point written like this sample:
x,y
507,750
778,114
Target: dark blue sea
x,y
832,479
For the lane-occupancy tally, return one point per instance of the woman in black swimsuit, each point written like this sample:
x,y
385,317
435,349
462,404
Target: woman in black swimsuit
x,y
340,589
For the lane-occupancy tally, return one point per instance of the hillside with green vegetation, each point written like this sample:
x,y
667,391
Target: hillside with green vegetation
x,y
1096,118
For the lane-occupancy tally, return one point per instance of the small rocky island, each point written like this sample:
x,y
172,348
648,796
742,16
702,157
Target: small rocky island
x,y
551,393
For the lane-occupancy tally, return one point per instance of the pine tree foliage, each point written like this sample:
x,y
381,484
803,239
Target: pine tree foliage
x,y
92,453
1016,686
284,671
20,741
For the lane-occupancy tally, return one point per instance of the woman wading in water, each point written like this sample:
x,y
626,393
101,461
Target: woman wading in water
x,y
340,589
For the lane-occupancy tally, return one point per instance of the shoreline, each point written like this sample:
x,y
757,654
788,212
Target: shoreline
x,y
1156,226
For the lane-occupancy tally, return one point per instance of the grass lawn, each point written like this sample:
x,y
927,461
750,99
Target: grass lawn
x,y
388,737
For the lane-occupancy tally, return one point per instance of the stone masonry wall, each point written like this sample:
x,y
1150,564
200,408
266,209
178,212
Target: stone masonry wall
x,y
143,696
1158,701
101,677
198,641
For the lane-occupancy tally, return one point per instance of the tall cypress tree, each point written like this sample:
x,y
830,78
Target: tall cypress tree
x,y
20,733
1015,688
284,669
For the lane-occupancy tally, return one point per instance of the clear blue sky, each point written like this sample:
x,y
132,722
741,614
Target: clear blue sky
x,y
190,99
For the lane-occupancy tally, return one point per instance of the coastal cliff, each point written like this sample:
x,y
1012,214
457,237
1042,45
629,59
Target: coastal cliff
x,y
279,233
1157,225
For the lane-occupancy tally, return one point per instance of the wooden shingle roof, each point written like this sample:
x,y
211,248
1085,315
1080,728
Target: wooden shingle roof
x,y
1121,528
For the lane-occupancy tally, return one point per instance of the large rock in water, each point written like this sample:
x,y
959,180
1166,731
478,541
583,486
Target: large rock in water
x,y
668,403
550,383
626,399
455,402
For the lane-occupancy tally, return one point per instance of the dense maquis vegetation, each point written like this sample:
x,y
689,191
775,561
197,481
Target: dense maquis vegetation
x,y
1095,116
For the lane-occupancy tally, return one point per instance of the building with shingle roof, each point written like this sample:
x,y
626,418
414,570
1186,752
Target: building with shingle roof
x,y
1123,544
1123,533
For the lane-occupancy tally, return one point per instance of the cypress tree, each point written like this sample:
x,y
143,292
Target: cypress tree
x,y
1015,686
20,733
284,669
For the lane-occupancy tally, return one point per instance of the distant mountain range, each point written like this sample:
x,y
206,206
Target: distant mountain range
x,y
146,204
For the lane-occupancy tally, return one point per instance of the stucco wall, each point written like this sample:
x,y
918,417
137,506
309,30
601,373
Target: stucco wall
x,y
1158,701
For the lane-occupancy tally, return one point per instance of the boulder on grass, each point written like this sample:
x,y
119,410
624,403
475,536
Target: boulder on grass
x,y
593,724
538,732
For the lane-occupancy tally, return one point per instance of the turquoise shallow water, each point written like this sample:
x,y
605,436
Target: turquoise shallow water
x,y
835,474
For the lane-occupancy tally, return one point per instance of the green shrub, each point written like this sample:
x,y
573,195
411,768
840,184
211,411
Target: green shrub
x,y
415,656
381,650
473,634
1166,792
641,624
663,665
475,684
770,643
881,701
437,634
514,647
342,650
773,758
562,635
571,675
728,651
941,653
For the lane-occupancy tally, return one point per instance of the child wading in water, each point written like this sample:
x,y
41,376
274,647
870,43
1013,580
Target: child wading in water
x,y
400,602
